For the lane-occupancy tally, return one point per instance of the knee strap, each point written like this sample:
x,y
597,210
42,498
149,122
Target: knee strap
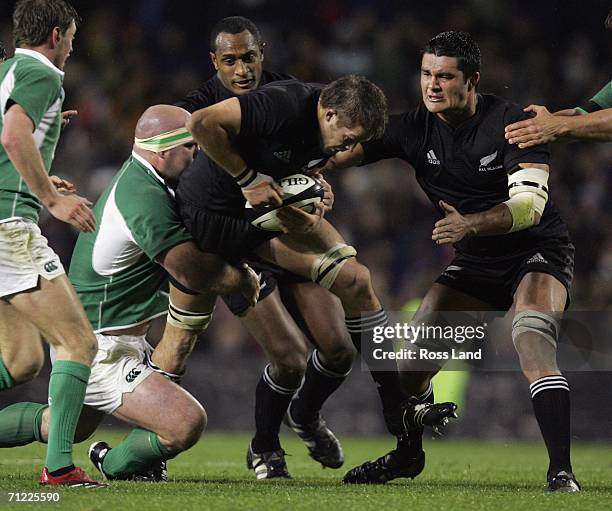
x,y
180,318
327,266
536,322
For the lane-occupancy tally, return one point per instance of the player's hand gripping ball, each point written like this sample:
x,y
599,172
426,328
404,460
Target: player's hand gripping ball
x,y
299,190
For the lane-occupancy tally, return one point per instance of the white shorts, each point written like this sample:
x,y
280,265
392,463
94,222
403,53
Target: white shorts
x,y
24,256
117,369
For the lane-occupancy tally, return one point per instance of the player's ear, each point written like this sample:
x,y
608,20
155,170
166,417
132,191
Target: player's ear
x,y
55,36
213,59
261,50
474,80
330,113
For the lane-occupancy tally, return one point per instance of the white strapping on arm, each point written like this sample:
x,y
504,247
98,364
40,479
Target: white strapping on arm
x,y
528,190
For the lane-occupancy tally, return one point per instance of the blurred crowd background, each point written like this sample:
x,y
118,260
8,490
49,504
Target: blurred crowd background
x,y
131,54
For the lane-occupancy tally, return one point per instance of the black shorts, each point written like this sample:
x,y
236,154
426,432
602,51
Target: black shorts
x,y
234,239
494,279
271,277
230,237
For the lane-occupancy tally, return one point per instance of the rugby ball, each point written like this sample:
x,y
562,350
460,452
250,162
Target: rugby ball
x,y
298,190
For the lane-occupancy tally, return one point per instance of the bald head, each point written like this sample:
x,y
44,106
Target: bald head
x,y
159,119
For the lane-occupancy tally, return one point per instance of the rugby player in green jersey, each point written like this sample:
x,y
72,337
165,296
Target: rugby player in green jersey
x,y
120,272
37,297
592,121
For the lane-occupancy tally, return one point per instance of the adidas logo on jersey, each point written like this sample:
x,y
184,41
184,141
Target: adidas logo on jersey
x,y
451,268
283,155
537,258
484,163
432,158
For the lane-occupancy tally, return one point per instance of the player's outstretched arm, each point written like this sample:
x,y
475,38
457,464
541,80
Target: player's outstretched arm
x,y
208,273
528,195
547,127
20,147
214,128
343,160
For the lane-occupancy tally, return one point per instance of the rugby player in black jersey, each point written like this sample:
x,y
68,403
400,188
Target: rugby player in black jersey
x,y
512,248
274,131
237,54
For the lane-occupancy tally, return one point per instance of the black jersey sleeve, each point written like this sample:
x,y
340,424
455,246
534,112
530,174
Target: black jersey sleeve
x,y
265,112
399,140
513,155
205,95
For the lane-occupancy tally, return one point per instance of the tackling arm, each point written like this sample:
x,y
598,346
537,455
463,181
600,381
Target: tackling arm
x,y
594,124
208,273
344,159
528,192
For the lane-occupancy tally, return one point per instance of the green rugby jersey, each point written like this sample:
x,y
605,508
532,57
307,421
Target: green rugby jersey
x,y
113,269
30,80
600,101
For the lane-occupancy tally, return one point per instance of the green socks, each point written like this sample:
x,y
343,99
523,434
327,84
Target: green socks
x,y
139,450
66,393
20,424
6,380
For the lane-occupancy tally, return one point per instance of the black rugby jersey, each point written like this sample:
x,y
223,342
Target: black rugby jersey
x,y
279,136
213,91
467,167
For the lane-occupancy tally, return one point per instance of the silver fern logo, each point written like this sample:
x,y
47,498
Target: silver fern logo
x,y
484,163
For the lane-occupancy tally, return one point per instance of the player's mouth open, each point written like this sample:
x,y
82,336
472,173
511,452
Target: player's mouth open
x,y
435,99
247,83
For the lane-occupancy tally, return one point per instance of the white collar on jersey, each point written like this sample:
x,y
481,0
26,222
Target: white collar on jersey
x,y
144,162
39,56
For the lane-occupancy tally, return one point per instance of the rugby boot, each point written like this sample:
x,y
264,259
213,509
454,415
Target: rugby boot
x,y
563,482
387,467
157,473
76,478
436,415
322,444
267,465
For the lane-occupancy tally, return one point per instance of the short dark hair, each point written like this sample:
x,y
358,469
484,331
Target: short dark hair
x,y
33,20
234,25
359,102
456,44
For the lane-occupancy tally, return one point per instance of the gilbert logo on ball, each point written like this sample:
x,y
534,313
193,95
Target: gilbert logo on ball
x,y
298,190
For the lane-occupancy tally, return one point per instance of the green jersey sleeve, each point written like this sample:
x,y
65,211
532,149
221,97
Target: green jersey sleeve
x,y
600,101
150,215
36,88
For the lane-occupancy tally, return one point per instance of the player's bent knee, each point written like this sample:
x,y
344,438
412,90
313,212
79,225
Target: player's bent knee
x,y
339,358
188,432
288,375
356,280
326,268
26,371
86,350
536,323
289,358
81,345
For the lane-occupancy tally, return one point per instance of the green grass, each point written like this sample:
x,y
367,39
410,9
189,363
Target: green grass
x,y
460,475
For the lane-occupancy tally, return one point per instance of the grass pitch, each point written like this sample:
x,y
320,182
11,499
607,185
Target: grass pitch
x,y
460,475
